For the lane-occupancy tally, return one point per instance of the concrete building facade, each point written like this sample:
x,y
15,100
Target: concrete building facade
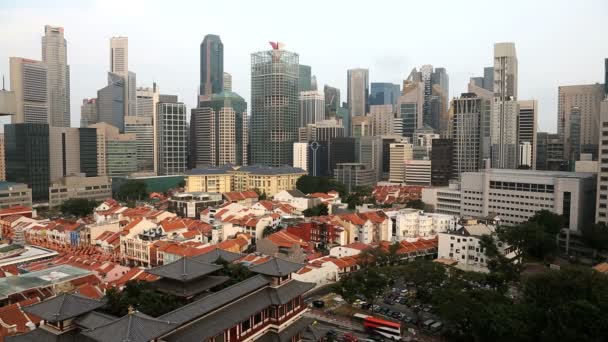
x,y
55,57
29,82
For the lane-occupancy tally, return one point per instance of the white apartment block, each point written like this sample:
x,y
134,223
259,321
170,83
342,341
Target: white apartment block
x,y
443,200
414,223
516,195
418,172
463,246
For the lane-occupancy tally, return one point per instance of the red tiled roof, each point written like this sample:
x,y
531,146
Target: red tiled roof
x,y
284,239
90,291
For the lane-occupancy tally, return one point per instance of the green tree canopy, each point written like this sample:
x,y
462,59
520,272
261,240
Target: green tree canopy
x,y
311,184
317,210
132,190
595,235
416,204
79,207
142,297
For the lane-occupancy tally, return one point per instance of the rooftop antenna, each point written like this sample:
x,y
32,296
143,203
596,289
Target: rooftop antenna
x,y
3,83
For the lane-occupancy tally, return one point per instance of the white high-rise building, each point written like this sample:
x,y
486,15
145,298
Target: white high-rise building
x,y
54,55
119,64
172,138
399,153
526,129
143,128
505,109
300,155
312,107
29,82
357,91
525,154
227,82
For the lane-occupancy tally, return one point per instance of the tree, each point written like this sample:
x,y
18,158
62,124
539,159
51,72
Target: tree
x,y
318,210
142,297
416,204
311,184
268,230
261,194
367,282
79,207
530,239
182,183
502,269
595,235
132,190
550,221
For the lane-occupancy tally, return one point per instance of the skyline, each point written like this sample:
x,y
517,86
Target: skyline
x,y
174,63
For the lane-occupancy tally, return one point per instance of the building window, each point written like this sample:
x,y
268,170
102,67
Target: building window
x,y
245,325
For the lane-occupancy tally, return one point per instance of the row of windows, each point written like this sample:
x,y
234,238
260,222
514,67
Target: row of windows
x,y
546,188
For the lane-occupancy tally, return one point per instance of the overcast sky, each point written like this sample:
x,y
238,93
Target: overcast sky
x,y
558,42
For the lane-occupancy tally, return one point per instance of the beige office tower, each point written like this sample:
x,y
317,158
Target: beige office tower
x,y
505,108
119,64
382,117
578,118
410,107
2,166
399,153
147,101
601,210
227,82
88,112
29,84
54,55
64,152
116,152
527,123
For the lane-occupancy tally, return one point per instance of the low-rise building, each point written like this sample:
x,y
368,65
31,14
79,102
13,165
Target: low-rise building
x,y
71,187
297,199
516,195
463,246
285,246
443,200
14,194
413,223
190,204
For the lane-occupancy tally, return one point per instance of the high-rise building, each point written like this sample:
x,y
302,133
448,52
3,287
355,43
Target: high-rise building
x,y
358,92
54,55
486,111
88,112
354,175
368,151
467,136
111,102
147,99
116,152
300,155
436,94
143,129
27,157
399,154
2,161
441,161
227,82
409,112
601,212
212,65
218,131
321,131
382,117
505,109
487,81
312,107
119,65
549,152
274,106
361,126
382,93
526,130
582,102
172,138
344,116
341,150
305,78
89,161
332,101
64,152
29,82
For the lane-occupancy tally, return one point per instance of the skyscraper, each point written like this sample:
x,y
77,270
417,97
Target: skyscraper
x,y
274,106
172,138
218,131
505,107
409,112
369,152
549,151
583,102
111,102
227,82
358,92
54,55
526,129
27,157
88,112
212,65
29,82
305,78
143,129
312,107
382,117
2,161
438,100
119,65
382,93
332,101
467,133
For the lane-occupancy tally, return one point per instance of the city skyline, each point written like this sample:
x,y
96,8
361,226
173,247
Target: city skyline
x,y
539,75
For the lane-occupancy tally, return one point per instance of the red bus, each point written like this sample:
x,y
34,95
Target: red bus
x,y
382,327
